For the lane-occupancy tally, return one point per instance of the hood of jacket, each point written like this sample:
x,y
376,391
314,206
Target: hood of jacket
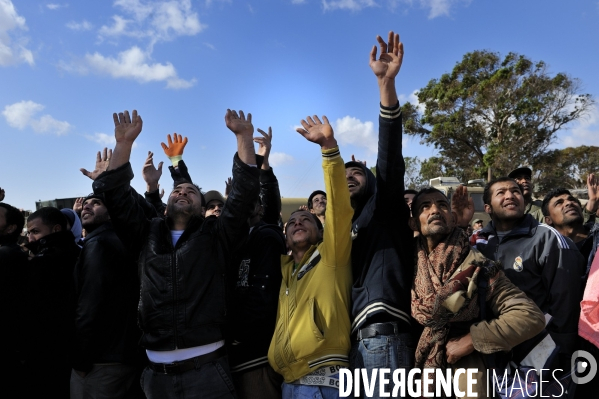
x,y
360,202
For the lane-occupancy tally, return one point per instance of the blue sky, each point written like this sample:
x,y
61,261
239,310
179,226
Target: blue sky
x,y
66,67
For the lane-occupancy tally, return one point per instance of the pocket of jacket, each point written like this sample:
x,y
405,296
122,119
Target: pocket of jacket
x,y
318,332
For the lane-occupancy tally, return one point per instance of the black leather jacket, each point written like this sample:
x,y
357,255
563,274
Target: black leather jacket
x,y
182,300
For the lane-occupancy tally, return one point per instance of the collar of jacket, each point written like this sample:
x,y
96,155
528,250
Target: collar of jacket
x,y
98,230
527,227
60,239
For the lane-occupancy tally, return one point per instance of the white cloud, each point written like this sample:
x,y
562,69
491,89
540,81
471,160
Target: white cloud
x,y
12,45
350,130
585,132
80,26
155,20
352,5
21,115
279,158
411,98
133,64
105,140
436,8
53,6
210,46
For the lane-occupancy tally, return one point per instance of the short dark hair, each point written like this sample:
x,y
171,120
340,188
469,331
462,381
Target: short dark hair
x,y
556,192
50,217
487,190
410,191
424,191
14,216
314,194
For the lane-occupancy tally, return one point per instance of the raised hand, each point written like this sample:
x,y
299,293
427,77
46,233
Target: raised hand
x,y
228,185
102,161
357,160
78,205
174,147
127,128
462,206
150,173
303,208
265,145
161,192
389,62
318,132
238,123
593,191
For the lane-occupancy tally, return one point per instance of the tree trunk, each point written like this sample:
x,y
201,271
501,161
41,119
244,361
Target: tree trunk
x,y
489,174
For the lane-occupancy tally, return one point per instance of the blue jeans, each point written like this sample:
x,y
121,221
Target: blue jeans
x,y
291,391
383,351
211,380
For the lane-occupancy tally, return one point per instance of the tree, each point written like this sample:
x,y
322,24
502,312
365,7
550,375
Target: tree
x,y
489,115
568,167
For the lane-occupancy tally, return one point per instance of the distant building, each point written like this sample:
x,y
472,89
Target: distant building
x,y
56,203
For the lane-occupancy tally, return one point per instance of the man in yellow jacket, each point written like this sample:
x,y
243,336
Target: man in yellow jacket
x,y
312,335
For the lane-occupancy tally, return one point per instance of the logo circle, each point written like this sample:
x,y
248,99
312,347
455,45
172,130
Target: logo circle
x,y
579,366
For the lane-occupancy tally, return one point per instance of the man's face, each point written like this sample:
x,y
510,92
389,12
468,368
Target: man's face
x,y
478,225
356,181
36,229
564,210
409,198
319,204
94,213
507,202
214,207
302,229
433,215
525,182
185,198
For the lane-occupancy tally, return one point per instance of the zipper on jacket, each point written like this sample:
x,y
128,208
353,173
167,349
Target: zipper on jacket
x,y
173,276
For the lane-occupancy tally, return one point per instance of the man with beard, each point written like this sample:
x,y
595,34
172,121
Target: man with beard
x,y
106,335
523,177
564,212
383,245
537,259
48,298
182,265
445,294
317,204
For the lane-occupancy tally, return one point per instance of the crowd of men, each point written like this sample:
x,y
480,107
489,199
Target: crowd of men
x,y
210,295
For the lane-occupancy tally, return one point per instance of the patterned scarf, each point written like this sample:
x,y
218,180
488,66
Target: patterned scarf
x,y
433,284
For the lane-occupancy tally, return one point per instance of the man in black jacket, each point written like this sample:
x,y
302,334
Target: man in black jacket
x,y
256,286
13,272
383,245
182,265
48,300
105,308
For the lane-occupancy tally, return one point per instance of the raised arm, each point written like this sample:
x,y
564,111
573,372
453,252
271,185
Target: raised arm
x,y
390,167
387,67
244,131
102,160
127,215
269,185
245,186
151,176
336,250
